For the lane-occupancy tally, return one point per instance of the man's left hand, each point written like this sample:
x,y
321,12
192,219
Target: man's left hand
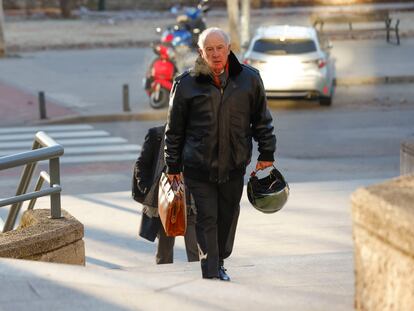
x,y
261,165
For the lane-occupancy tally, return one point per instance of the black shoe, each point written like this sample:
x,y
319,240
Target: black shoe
x,y
211,278
223,275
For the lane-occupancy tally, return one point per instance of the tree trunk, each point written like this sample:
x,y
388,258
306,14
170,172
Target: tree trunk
x,y
245,23
29,6
2,40
256,4
66,8
233,12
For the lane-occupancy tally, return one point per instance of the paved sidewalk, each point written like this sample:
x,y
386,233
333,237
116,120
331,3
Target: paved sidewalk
x,y
137,28
297,259
20,106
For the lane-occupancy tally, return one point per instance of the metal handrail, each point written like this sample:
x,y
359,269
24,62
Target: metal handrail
x,y
44,148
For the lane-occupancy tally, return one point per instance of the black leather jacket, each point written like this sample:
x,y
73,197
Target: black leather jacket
x,y
210,129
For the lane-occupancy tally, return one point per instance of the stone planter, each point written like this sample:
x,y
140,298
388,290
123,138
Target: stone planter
x,y
383,233
40,238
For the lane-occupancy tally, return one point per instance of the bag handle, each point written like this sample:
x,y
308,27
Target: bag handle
x,y
179,185
176,185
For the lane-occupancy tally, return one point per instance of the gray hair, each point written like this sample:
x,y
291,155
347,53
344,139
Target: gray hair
x,y
202,37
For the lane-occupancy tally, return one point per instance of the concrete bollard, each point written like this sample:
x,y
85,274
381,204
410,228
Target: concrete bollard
x,y
42,106
125,97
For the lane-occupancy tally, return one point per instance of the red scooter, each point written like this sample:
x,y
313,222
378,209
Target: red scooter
x,y
159,77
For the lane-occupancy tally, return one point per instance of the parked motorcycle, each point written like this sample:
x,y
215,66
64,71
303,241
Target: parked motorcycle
x,y
189,25
159,78
177,46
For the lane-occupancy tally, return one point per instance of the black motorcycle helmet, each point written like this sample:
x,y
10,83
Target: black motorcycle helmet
x,y
268,194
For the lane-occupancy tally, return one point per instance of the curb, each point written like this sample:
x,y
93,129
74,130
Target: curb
x,y
353,81
15,48
114,117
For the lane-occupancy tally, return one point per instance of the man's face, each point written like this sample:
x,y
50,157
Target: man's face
x,y
215,52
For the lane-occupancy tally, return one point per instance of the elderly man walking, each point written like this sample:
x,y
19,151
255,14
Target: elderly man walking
x,y
216,108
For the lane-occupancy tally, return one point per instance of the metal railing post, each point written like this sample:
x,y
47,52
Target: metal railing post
x,y
54,170
22,188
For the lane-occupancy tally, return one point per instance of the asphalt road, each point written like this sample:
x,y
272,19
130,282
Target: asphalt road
x,y
358,137
314,144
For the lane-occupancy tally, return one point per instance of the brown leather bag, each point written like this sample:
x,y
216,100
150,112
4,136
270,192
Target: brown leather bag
x,y
172,206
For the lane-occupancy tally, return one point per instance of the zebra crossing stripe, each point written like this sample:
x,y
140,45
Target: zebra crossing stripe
x,y
98,158
45,128
54,135
67,142
81,143
86,149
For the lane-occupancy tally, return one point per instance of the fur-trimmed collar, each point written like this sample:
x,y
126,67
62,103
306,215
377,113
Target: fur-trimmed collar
x,y
202,72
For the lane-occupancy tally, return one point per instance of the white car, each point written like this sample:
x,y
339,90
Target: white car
x,y
292,62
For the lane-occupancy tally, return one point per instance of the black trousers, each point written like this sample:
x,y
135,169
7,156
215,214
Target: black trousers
x,y
165,249
218,208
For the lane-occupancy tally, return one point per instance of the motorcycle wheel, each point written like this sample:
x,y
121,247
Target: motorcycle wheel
x,y
159,99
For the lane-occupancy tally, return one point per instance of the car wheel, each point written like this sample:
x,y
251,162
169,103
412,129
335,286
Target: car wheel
x,y
325,101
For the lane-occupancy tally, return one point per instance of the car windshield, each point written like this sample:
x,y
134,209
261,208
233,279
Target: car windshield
x,y
286,46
